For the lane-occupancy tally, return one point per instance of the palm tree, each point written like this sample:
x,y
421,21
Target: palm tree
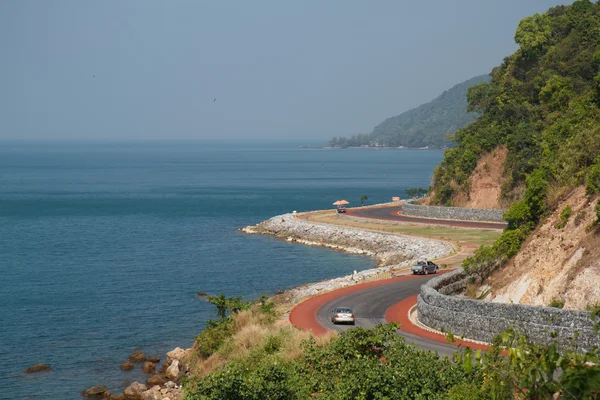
x,y
362,200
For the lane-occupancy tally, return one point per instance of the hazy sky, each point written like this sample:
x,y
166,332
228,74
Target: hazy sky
x,y
278,69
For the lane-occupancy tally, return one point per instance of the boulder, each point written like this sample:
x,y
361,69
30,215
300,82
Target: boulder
x,y
96,392
176,354
126,366
135,390
164,366
148,367
154,359
173,370
38,368
152,395
117,397
137,356
155,380
170,385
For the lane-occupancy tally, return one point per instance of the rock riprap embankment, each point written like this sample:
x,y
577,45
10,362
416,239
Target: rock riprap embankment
x,y
387,249
390,251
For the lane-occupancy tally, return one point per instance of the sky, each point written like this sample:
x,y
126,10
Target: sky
x,y
244,70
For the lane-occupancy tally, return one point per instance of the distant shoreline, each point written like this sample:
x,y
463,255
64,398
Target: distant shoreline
x,y
370,148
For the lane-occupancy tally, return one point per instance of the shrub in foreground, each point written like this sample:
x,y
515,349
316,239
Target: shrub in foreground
x,y
359,364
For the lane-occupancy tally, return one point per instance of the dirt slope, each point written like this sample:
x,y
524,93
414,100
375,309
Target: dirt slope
x,y
486,182
555,263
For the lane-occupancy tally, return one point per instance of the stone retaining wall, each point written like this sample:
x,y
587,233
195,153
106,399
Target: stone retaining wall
x,y
458,213
482,320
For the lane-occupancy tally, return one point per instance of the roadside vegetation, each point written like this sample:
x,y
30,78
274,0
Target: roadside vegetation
x,y
258,357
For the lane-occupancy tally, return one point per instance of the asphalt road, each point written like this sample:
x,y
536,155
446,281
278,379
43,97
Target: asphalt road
x,y
392,214
369,307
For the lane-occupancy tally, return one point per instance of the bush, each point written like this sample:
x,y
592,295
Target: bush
x,y
486,259
509,243
592,179
212,337
468,391
518,215
359,364
565,214
557,303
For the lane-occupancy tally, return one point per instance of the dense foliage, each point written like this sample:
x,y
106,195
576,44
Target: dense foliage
x,y
359,364
542,103
379,364
429,125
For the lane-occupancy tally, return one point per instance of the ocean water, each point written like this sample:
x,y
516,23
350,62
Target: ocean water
x,y
103,246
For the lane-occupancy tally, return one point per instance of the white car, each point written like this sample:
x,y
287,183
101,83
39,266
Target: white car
x,y
343,315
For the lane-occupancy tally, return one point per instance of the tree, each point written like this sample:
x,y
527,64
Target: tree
x,y
362,200
533,33
415,192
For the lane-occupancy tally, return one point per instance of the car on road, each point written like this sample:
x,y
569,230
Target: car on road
x,y
343,315
424,268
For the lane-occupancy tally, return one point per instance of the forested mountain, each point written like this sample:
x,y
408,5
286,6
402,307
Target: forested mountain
x,y
427,125
542,104
542,108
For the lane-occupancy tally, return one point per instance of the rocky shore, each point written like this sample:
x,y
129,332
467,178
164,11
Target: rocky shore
x,y
163,382
389,250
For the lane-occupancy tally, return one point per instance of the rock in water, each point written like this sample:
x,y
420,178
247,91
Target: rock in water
x,y
137,356
154,359
155,380
96,392
173,370
135,390
38,368
126,366
177,354
164,366
148,367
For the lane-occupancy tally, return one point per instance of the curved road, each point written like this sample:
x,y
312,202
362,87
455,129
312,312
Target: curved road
x,y
375,301
394,214
370,306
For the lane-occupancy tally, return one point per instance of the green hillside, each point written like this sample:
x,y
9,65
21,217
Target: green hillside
x,y
427,125
543,105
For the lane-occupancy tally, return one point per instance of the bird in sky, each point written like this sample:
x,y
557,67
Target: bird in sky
x,y
215,100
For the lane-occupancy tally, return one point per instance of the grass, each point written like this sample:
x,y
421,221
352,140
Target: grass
x,y
253,337
475,236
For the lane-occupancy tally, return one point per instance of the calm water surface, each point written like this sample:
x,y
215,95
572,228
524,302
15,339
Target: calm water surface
x,y
103,245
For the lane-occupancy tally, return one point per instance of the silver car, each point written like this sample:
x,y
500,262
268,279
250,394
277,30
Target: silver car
x,y
343,315
425,267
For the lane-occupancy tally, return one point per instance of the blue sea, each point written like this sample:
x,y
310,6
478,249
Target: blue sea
x,y
103,246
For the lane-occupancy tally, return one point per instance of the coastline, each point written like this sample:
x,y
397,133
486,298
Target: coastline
x,y
392,252
370,148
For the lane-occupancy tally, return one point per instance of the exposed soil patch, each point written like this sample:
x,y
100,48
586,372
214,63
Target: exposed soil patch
x,y
486,182
556,264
